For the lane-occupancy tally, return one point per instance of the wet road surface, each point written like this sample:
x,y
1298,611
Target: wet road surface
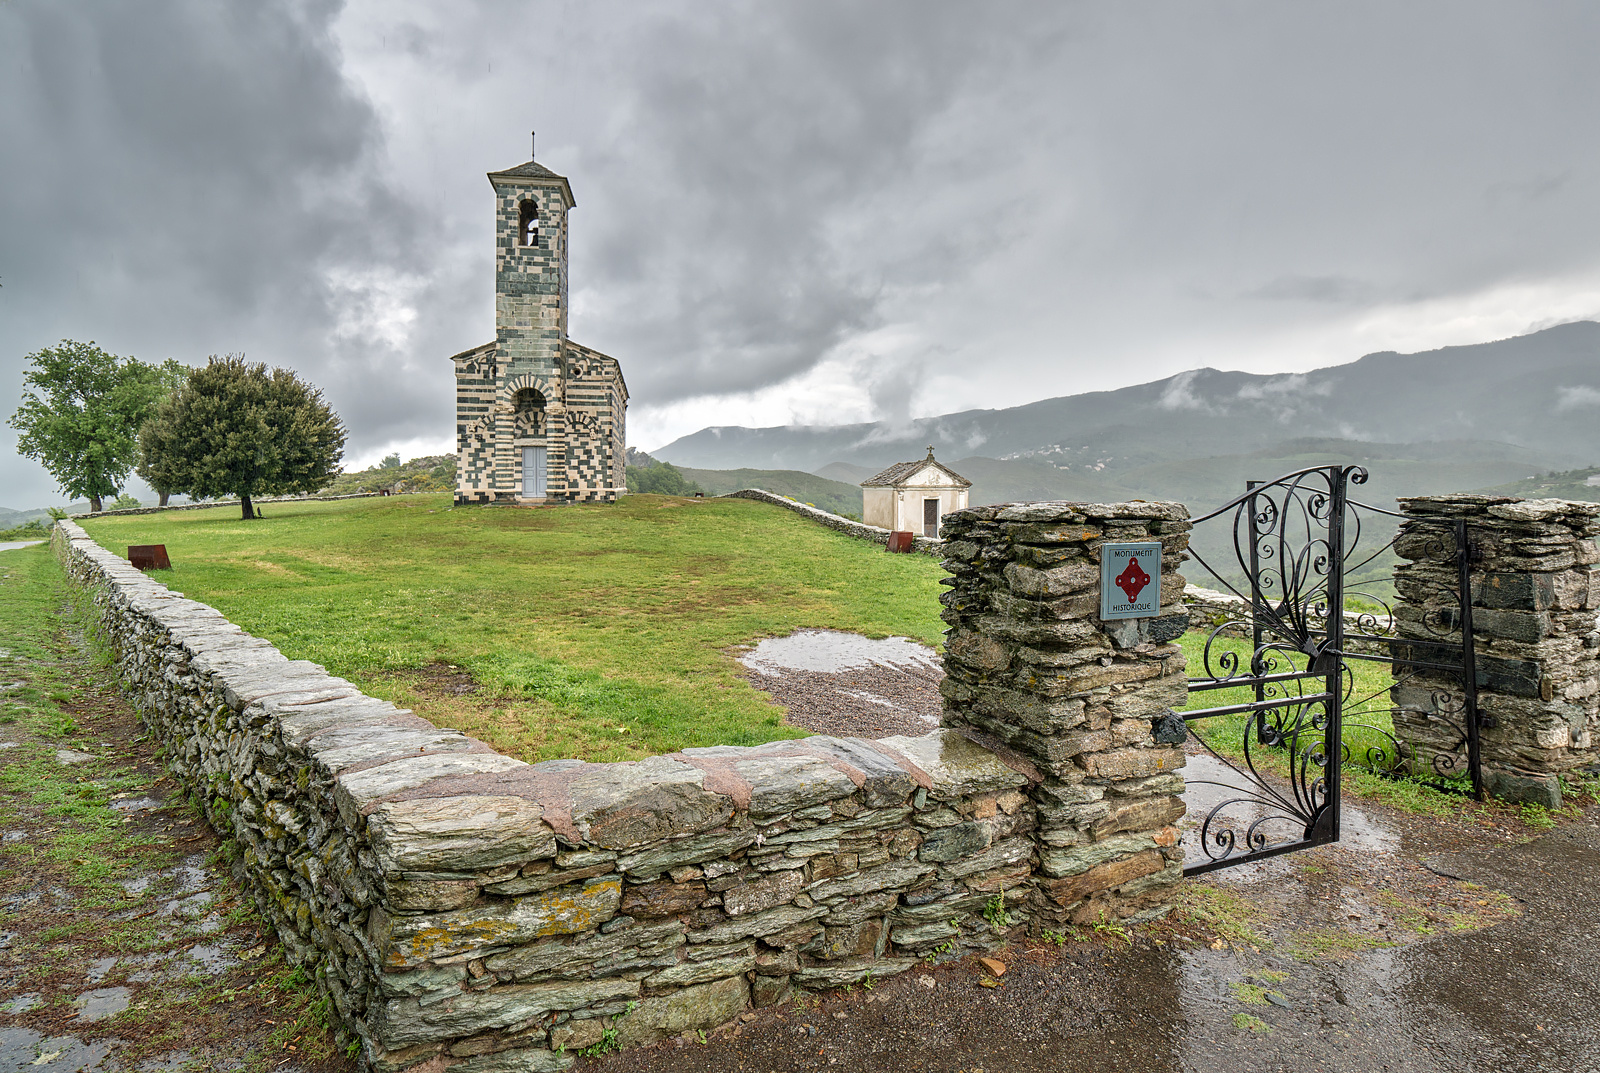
x,y
1520,994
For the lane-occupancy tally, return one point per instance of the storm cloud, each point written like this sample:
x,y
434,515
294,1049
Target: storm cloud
x,y
816,211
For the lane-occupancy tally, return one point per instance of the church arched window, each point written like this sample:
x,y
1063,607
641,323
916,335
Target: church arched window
x,y
527,407
528,224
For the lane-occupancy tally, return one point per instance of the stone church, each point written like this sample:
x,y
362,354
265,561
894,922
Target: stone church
x,y
539,418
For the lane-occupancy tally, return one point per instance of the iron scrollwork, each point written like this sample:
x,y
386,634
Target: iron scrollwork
x,y
1299,544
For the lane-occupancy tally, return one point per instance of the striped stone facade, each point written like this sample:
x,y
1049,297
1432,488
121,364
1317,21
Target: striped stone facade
x,y
539,418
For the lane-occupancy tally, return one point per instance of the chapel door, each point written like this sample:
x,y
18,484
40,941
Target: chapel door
x,y
534,467
930,517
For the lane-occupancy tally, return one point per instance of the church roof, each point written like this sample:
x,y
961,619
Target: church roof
x,y
901,472
533,170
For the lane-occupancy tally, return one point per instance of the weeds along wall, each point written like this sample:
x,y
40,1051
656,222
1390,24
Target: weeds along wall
x,y
468,910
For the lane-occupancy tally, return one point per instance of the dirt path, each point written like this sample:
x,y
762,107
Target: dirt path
x,y
1450,953
124,943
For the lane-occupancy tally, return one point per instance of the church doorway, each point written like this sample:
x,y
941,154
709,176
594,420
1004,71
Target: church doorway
x,y
534,465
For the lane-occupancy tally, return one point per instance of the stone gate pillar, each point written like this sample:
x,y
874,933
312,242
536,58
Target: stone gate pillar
x,y
1030,666
1535,593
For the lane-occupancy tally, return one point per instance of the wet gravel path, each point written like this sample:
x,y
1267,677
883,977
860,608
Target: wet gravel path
x,y
1326,962
849,686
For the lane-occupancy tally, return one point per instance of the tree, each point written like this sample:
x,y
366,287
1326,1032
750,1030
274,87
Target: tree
x,y
663,478
156,448
80,415
243,429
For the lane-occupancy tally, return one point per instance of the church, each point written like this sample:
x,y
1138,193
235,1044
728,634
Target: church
x,y
539,418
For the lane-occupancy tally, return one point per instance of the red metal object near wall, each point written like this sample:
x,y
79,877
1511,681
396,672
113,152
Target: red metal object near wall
x,y
900,540
149,557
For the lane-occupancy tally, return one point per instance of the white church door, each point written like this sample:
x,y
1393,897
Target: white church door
x,y
534,464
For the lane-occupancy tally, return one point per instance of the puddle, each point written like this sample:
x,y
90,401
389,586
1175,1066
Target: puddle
x,y
832,651
148,968
137,804
9,744
18,902
22,1003
13,545
101,1003
1244,809
72,756
15,836
99,969
23,1048
214,959
191,875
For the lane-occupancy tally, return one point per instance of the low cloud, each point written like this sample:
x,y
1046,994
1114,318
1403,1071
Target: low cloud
x,y
1325,289
1179,394
1581,397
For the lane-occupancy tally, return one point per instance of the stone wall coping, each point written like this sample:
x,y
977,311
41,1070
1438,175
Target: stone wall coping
x,y
377,752
1505,508
861,530
1068,511
402,857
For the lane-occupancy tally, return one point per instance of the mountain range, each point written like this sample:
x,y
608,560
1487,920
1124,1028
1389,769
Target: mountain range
x,y
1443,420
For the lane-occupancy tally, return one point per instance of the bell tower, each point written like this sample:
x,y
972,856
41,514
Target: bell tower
x,y
530,313
540,420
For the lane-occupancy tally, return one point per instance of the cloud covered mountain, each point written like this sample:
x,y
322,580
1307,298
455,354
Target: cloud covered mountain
x,y
1539,393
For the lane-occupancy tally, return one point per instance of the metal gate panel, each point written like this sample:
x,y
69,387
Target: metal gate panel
x,y
1288,549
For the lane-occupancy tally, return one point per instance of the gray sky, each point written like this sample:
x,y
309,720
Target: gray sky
x,y
808,211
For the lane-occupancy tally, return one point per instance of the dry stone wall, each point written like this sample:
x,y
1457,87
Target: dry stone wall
x,y
465,910
1535,595
1089,704
860,530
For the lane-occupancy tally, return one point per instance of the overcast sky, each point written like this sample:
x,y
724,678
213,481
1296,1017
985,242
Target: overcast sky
x,y
793,212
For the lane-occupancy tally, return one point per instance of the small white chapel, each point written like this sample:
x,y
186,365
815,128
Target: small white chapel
x,y
913,496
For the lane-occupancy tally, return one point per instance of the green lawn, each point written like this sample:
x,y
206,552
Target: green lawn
x,y
1368,724
598,631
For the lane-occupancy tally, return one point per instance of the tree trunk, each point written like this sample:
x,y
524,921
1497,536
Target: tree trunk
x,y
249,508
164,496
94,504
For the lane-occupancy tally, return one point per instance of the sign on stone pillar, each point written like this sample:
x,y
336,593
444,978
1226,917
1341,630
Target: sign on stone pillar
x,y
1535,593
1033,665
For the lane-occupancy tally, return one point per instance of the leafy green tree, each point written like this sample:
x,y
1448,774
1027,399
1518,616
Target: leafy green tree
x,y
157,451
80,415
390,462
248,430
126,502
663,478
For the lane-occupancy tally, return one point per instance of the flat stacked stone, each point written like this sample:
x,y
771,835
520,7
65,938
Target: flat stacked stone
x,y
467,910
1535,593
1031,667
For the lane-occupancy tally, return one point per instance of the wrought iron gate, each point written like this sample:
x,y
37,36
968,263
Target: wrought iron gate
x,y
1308,567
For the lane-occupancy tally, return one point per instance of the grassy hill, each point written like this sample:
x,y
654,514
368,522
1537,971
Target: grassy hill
x,y
598,631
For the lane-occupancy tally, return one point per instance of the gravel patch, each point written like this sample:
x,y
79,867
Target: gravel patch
x,y
875,689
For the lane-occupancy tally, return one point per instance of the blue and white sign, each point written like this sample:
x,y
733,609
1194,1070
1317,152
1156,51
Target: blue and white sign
x,y
1130,580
